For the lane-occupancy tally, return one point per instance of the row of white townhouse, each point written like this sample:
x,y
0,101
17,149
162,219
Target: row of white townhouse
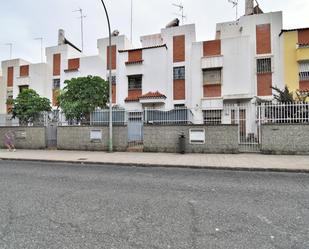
x,y
170,70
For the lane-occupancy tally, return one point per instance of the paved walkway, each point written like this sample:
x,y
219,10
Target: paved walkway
x,y
238,161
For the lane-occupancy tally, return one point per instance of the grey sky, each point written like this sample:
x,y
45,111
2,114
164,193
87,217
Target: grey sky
x,y
23,20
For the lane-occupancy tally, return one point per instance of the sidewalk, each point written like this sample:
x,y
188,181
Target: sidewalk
x,y
214,161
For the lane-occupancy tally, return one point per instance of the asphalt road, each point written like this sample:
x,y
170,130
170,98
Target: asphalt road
x,y
44,206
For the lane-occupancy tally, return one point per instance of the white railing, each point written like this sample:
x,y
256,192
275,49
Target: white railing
x,y
284,113
247,115
174,116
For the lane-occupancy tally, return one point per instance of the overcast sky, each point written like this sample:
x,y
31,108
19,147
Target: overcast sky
x,y
23,20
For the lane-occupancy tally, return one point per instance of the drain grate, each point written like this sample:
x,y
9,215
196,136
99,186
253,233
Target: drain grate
x,y
82,159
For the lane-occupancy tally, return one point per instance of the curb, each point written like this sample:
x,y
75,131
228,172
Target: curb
x,y
146,165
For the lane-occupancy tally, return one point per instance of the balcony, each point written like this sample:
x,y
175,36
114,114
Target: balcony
x,y
212,62
302,53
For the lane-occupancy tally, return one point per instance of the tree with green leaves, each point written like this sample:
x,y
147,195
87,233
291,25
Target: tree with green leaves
x,y
28,106
83,95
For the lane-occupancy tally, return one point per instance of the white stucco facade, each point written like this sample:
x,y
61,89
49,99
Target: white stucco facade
x,y
237,59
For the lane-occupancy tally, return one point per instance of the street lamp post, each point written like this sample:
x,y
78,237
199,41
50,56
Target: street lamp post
x,y
110,82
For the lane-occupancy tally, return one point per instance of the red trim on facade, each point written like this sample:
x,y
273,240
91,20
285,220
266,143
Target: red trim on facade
x,y
211,91
56,64
114,57
264,84
263,39
179,48
24,71
179,88
212,48
10,76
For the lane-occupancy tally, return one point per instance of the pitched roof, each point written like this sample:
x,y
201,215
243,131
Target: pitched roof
x,y
132,99
291,30
149,95
136,49
153,95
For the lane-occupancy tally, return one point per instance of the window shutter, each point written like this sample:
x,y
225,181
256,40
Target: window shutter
x,y
212,77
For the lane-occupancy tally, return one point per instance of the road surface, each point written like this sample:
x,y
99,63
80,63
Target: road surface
x,y
66,206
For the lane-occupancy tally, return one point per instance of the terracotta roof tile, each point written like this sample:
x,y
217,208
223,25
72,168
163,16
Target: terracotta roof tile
x,y
303,45
131,99
153,95
134,62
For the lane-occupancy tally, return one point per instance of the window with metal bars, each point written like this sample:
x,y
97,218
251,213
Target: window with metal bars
x,y
9,94
212,117
304,71
113,79
56,83
179,73
263,65
135,82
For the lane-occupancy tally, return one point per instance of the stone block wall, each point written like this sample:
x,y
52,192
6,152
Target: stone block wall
x,y
285,139
219,139
78,138
26,137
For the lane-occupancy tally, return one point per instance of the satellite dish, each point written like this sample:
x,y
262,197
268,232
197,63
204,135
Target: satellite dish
x,y
115,33
174,23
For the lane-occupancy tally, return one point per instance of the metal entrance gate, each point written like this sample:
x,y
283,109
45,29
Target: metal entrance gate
x,y
135,130
249,127
51,134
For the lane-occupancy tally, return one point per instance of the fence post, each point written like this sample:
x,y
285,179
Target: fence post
x,y
146,115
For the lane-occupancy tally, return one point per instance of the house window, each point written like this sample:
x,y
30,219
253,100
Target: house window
x,y
56,83
22,88
212,77
180,106
135,82
212,117
264,65
179,73
9,94
113,79
304,71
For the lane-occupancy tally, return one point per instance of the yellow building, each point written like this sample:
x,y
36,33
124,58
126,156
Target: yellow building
x,y
295,45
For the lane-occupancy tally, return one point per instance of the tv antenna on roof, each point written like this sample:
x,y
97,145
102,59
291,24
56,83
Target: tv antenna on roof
x,y
181,10
235,5
82,16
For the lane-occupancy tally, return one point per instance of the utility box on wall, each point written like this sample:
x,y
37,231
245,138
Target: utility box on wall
x,y
96,135
197,136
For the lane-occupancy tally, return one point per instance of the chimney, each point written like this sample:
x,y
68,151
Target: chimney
x,y
249,7
61,37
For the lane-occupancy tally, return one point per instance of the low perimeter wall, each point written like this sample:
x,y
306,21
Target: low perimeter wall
x,y
26,137
285,139
218,139
78,138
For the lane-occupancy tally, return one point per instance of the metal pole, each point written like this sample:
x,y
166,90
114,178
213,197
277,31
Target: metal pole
x,y
82,28
131,20
80,10
110,82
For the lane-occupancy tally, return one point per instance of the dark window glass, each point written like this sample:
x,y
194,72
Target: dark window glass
x,y
56,83
179,73
135,82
